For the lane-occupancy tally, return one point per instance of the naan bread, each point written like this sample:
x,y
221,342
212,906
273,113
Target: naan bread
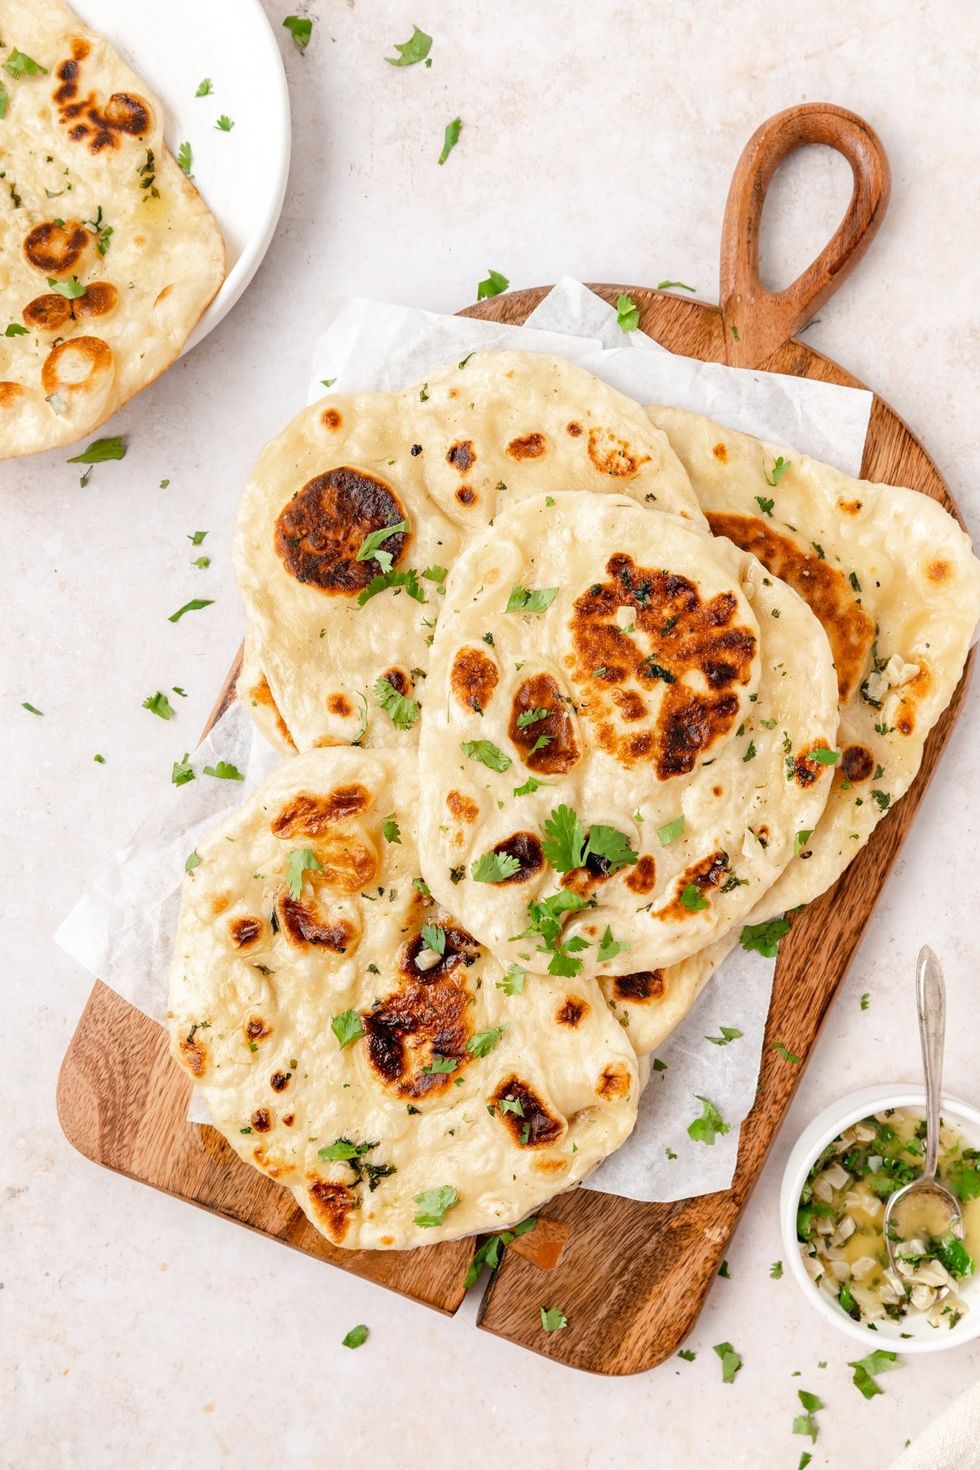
x,y
652,1003
89,196
445,455
893,580
454,1085
667,677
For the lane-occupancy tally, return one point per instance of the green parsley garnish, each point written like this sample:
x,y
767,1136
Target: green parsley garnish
x,y
627,313
205,88
865,1000
434,938
776,1270
801,839
184,158
70,290
609,947
197,537
670,831
301,860
513,981
786,1055
224,124
779,468
706,1128
450,138
728,1034
693,899
195,605
492,286
528,600
159,704
192,862
434,1205
552,1319
494,867
300,27
202,563
409,580
99,759
18,65
482,1043
370,546
764,938
824,757
804,1423
566,846
731,1361
15,329
486,753
441,1066
347,1027
880,1361
412,51
358,1335
687,1355
490,1252
182,771
390,830
765,504
31,709
530,786
224,771
531,717
546,924
678,286
402,711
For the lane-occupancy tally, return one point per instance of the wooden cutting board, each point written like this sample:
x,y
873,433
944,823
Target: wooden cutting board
x,y
630,1277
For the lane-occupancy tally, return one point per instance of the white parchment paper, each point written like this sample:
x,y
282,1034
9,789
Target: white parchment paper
x,y
123,927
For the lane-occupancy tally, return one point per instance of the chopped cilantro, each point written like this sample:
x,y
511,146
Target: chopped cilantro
x,y
546,916
494,867
358,1335
552,1318
205,88
779,468
18,65
434,1205
706,1128
751,753
402,711
627,313
159,704
412,51
865,1000
450,138
441,1066
486,753
347,1027
765,504
301,860
490,1252
409,580
434,938
513,981
184,158
687,1355
786,1055
677,286
192,862
195,605
224,771
731,1361
492,286
801,839
370,546
693,899
224,124
300,27
824,757
99,759
566,846
482,1043
880,1361
764,938
182,771
71,290
530,600
15,329
531,717
776,1270
609,947
390,830
197,536
31,709
670,831
530,785
728,1034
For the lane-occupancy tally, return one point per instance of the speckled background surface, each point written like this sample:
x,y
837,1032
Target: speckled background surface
x,y
597,141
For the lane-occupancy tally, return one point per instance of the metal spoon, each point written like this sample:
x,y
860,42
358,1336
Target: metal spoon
x,y
930,995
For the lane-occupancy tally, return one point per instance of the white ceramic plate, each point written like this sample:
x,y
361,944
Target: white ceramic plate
x,y
242,175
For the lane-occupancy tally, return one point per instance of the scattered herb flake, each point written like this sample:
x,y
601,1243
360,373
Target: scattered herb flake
x,y
486,753
434,1205
412,51
224,771
300,27
552,1319
706,1128
347,1027
195,605
728,1034
159,704
492,286
530,600
731,1361
450,138
224,124
301,860
358,1335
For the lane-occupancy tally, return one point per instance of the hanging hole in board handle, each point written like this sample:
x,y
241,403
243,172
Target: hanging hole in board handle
x,y
757,321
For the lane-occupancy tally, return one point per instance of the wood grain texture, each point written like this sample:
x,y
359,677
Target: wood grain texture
x,y
631,1277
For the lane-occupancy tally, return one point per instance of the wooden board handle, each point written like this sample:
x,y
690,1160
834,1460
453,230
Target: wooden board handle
x,y
758,321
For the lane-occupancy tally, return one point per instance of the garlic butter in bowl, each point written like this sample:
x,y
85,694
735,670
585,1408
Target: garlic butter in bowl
x,y
839,1177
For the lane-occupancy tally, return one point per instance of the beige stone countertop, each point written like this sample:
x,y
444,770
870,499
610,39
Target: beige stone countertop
x,y
599,141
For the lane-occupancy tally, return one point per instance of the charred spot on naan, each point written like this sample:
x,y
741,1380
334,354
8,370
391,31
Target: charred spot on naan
x,y
260,693
642,877
246,930
10,394
304,925
676,634
460,948
466,495
101,298
461,455
331,418
56,247
705,875
613,455
828,593
77,366
614,1081
473,679
47,313
100,127
320,531
525,848
640,987
310,814
531,1123
806,770
911,695
194,1053
339,704
425,1019
857,763
256,1029
571,1011
332,1204
561,750
528,446
463,808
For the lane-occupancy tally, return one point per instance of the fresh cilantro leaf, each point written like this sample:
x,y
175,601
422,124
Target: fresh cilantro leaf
x,y
358,1335
412,51
609,947
192,862
824,757
627,313
764,938
370,545
224,124
530,786
805,1459
528,600
184,158
390,830
853,579
182,771
883,800
482,1043
865,1000
434,938
677,285
409,580
301,860
402,711
670,831
765,504
728,1035
564,845
693,899
786,1055
492,286
706,1128
955,1257
342,1149
486,753
540,743
4,99
300,27
164,484
731,1361
801,839
776,1270
197,537
18,65
880,1361
494,867
435,574
546,916
195,605
804,1424
687,1355
724,1272
611,845
202,563
441,1066
435,1204
205,88
224,771
15,329
552,1319
159,704
490,1252
70,290
751,753
779,468
451,138
513,981
347,1027
531,717
99,759
31,709
512,1105
658,1065
328,382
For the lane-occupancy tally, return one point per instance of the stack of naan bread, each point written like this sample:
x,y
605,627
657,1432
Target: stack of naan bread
x,y
108,254
573,695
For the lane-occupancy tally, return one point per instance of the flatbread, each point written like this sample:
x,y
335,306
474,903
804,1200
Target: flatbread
x,y
252,999
91,196
668,677
446,455
893,580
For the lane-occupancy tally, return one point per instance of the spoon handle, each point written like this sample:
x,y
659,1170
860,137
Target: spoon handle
x,y
930,994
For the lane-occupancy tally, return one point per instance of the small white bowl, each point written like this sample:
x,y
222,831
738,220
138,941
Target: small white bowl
x,y
814,1138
